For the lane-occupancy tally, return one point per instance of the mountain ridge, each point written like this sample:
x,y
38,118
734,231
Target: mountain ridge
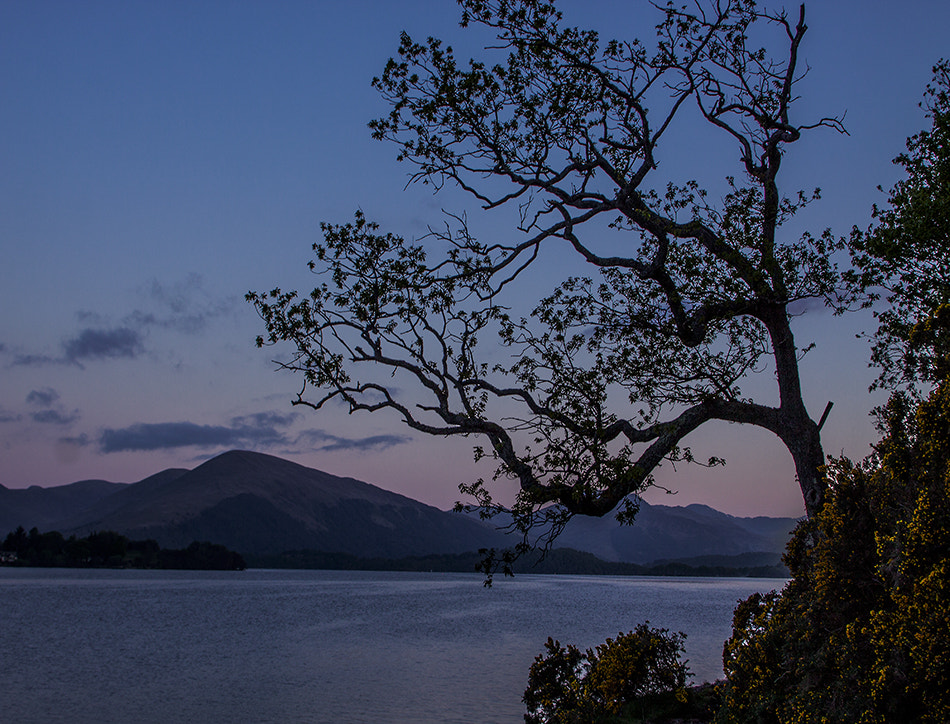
x,y
260,504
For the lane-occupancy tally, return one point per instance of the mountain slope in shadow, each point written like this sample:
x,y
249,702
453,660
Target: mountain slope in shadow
x,y
256,503
259,504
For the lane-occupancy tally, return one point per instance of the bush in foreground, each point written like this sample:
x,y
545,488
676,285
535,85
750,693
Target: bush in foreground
x,y
861,632
641,670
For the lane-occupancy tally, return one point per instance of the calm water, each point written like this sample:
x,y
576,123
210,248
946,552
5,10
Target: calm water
x,y
318,646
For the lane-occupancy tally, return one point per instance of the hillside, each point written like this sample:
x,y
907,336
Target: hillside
x,y
261,505
256,503
663,532
47,507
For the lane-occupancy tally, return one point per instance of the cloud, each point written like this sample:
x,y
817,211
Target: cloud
x,y
42,398
119,342
7,416
67,449
184,306
326,442
55,417
807,305
89,344
36,360
257,430
164,435
51,414
265,419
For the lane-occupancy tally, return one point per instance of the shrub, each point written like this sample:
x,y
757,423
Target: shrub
x,y
635,669
861,633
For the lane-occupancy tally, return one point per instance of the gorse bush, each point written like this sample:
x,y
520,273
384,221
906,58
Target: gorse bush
x,y
637,668
555,693
642,663
861,632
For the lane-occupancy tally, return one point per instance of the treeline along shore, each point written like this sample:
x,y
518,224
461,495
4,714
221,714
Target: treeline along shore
x,y
108,549
563,561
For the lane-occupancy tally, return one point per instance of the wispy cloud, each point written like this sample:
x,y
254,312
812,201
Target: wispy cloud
x,y
52,413
7,416
36,360
55,417
90,344
810,305
324,441
257,430
42,398
113,343
265,420
185,307
67,449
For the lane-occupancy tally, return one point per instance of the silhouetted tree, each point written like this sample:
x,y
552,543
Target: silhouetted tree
x,y
861,633
16,540
108,548
686,295
639,668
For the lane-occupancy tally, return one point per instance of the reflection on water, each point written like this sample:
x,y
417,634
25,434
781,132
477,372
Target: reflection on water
x,y
318,646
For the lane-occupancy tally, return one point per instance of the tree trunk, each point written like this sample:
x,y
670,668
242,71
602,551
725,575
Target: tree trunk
x,y
804,444
798,431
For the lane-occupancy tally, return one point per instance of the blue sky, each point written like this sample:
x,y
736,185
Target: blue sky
x,y
159,160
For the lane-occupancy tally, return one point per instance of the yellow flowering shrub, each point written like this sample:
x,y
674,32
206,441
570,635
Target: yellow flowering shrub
x,y
567,686
861,632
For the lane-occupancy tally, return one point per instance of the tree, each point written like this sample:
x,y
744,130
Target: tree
x,y
907,252
685,297
861,632
16,541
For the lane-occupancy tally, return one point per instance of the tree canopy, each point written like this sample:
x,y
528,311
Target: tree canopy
x,y
644,665
860,633
684,296
108,549
906,252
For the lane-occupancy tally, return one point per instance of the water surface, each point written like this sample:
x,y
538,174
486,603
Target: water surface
x,y
319,646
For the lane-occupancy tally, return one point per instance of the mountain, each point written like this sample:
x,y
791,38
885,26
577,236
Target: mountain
x,y
46,507
261,505
663,532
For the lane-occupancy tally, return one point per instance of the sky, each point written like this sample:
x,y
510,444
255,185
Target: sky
x,y
159,160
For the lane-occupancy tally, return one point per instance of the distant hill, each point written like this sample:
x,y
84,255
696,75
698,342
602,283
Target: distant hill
x,y
261,505
253,503
47,507
663,533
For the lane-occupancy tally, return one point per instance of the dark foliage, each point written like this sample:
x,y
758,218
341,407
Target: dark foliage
x,y
861,633
107,549
638,671
907,253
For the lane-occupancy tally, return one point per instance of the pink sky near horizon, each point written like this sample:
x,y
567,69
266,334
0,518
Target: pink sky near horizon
x,y
160,160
